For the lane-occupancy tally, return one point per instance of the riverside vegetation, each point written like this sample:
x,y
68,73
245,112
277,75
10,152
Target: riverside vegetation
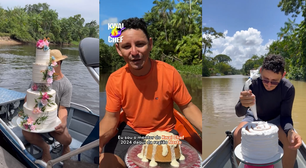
x,y
176,33
33,22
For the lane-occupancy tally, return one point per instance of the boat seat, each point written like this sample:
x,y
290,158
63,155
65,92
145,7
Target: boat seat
x,y
82,127
94,135
89,52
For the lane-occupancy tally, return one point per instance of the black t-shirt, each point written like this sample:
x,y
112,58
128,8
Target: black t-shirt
x,y
271,104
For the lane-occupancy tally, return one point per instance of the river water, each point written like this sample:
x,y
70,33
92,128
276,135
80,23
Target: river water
x,y
220,95
16,72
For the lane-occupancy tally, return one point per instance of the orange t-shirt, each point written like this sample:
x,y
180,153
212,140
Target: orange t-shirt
x,y
147,100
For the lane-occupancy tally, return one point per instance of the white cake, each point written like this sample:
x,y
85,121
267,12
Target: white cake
x,y
40,109
259,140
166,148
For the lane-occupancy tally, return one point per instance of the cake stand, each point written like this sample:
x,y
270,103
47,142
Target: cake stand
x,y
259,162
47,129
192,158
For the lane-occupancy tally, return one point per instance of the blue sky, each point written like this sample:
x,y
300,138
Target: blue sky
x,y
250,26
115,11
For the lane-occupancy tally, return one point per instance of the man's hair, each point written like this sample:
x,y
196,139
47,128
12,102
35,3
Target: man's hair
x,y
135,23
275,63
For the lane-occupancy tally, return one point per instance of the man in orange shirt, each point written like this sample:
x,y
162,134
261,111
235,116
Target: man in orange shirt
x,y
145,90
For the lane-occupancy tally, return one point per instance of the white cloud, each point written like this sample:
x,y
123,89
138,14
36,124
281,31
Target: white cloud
x,y
241,46
109,20
89,10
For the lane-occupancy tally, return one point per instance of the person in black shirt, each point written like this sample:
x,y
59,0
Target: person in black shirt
x,y
274,99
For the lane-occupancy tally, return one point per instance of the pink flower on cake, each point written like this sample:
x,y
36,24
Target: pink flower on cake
x,y
34,87
49,80
54,63
40,43
46,42
29,121
43,44
45,96
32,127
25,126
50,73
36,110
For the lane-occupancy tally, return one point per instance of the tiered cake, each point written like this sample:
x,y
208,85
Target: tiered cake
x,y
161,146
40,109
259,140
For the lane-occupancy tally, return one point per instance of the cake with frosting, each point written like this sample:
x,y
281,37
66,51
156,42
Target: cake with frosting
x,y
161,146
40,109
259,140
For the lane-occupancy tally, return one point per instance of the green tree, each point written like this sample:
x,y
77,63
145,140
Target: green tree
x,y
297,7
36,21
253,63
222,58
209,34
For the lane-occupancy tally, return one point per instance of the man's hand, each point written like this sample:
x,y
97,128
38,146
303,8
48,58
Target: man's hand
x,y
295,140
60,128
247,98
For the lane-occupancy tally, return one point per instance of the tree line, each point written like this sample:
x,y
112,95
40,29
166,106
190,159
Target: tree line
x,y
176,33
37,21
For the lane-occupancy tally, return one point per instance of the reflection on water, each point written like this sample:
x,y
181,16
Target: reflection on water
x,y
220,95
299,106
16,72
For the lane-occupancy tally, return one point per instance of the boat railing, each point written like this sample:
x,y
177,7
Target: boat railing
x,y
80,105
73,153
93,73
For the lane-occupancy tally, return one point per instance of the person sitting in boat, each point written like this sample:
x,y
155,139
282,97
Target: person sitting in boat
x,y
63,88
145,89
274,99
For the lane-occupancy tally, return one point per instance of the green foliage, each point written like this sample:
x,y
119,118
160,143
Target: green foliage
x,y
109,58
37,21
209,34
188,69
222,58
218,64
206,65
296,73
176,36
292,42
253,63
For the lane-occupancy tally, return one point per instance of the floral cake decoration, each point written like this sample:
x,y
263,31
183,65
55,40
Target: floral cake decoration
x,y
43,44
49,74
41,103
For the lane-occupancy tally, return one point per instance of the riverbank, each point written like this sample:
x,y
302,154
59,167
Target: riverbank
x,y
8,41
